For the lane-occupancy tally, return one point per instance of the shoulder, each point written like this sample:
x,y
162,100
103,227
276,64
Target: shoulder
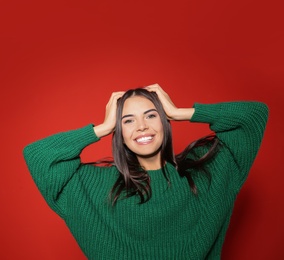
x,y
90,173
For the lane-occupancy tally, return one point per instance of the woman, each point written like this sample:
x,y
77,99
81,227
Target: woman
x,y
150,204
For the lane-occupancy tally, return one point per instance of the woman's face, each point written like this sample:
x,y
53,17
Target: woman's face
x,y
142,129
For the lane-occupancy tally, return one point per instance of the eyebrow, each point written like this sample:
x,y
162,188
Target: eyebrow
x,y
147,111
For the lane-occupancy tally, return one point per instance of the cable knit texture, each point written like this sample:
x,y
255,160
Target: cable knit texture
x,y
174,223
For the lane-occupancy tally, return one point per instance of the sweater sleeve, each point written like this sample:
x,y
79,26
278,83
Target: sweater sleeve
x,y
240,127
53,161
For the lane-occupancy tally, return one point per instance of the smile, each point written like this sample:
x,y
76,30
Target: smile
x,y
144,139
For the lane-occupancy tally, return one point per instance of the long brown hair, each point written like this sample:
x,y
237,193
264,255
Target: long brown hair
x,y
133,179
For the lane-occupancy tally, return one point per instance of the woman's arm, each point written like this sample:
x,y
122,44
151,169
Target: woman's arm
x,y
54,160
239,125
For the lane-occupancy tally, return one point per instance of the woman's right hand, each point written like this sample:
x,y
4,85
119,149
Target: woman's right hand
x,y
108,125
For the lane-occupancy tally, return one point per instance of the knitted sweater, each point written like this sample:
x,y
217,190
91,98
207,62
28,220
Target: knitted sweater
x,y
174,223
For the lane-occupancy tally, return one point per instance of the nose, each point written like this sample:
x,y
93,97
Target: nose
x,y
142,126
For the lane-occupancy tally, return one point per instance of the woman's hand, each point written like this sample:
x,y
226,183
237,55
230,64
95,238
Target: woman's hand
x,y
108,125
172,112
167,103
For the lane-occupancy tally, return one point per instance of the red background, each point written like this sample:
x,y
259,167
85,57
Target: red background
x,y
60,61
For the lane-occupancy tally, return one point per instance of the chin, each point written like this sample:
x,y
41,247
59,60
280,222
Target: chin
x,y
149,155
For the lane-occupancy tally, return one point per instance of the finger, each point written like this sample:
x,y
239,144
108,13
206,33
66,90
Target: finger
x,y
115,96
153,87
158,89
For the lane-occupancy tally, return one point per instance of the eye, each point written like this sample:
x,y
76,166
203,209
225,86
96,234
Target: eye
x,y
127,121
152,116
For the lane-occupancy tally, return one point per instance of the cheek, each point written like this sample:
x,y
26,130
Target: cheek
x,y
161,130
126,132
158,127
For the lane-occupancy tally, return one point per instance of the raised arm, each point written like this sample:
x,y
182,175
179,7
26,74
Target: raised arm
x,y
54,160
239,125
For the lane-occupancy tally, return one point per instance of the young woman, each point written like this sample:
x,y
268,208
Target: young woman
x,y
149,203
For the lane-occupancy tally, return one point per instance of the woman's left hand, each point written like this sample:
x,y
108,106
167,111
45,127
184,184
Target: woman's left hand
x,y
166,101
172,112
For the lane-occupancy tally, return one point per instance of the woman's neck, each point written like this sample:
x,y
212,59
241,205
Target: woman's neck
x,y
151,163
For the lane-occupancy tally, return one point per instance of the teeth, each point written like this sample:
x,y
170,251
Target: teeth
x,y
144,139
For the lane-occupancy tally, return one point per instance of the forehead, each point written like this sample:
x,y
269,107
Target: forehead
x,y
137,103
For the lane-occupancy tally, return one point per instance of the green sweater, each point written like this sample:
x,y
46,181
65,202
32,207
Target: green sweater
x,y
174,223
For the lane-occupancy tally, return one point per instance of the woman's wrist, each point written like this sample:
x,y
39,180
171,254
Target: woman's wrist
x,y
183,114
101,130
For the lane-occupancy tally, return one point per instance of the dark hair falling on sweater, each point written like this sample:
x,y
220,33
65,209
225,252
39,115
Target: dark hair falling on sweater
x,y
133,179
